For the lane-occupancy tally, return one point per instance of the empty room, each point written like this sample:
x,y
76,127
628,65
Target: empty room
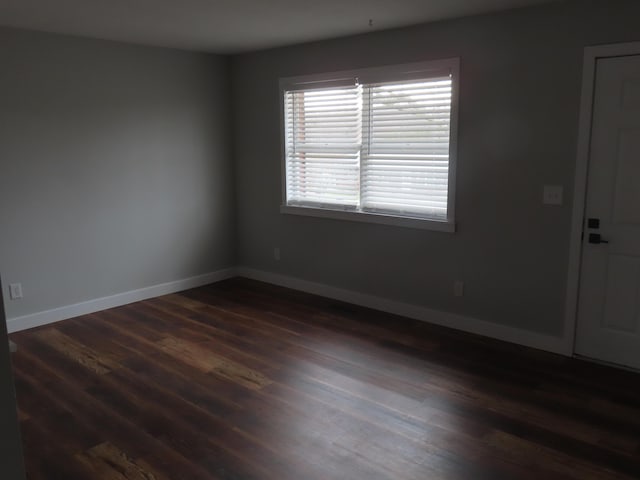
x,y
284,240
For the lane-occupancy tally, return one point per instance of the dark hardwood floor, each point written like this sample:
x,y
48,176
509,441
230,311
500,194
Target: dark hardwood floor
x,y
243,380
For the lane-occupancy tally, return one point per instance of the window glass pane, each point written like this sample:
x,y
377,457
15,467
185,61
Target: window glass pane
x,y
323,144
406,161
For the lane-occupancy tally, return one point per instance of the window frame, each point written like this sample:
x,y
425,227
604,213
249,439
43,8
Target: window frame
x,y
391,73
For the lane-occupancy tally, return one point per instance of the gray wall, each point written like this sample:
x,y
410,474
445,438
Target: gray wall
x,y
116,171
11,463
519,104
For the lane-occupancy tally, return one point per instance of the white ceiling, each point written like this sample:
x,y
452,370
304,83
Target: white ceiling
x,y
232,26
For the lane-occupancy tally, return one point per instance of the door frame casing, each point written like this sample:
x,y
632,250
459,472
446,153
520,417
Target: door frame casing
x,y
591,56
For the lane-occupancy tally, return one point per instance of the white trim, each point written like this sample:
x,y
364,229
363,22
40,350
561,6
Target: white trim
x,y
69,311
453,140
395,72
459,322
591,56
367,217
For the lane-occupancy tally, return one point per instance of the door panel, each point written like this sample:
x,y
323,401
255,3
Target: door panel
x,y
608,325
631,94
621,299
627,193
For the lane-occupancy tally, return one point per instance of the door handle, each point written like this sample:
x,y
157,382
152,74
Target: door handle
x,y
596,239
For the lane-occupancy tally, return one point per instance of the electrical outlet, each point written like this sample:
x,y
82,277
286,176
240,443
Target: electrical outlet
x,y
276,254
15,291
458,288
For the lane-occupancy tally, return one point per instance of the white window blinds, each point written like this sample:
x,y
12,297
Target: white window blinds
x,y
323,144
405,167
374,146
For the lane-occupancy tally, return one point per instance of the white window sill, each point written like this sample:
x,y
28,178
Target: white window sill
x,y
409,222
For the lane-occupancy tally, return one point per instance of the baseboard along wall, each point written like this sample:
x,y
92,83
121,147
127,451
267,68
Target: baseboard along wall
x,y
459,322
437,317
38,319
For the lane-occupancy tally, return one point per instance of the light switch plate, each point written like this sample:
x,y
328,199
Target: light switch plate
x,y
15,291
552,195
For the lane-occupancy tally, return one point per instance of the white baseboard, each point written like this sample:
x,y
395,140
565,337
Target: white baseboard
x,y
69,311
446,319
451,320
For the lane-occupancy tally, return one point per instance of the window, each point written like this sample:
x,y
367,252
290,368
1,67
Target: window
x,y
373,145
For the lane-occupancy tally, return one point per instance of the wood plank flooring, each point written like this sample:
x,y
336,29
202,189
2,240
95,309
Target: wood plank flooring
x,y
243,380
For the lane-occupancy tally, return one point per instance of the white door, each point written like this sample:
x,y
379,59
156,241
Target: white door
x,y
608,326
